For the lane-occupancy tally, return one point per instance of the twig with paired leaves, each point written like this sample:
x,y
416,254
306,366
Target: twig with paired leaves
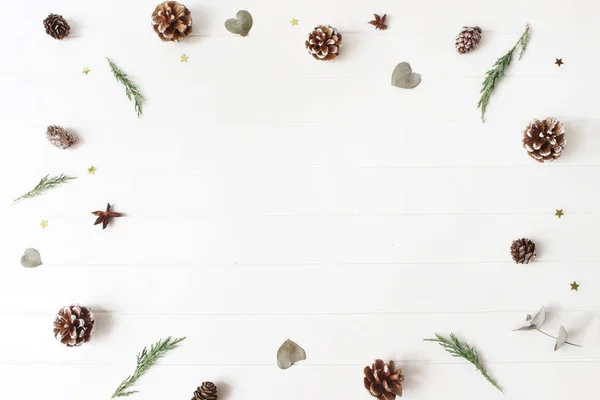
x,y
462,350
145,360
495,75
536,322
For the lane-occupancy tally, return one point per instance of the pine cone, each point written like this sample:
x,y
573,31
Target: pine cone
x,y
384,381
56,26
468,39
544,140
172,21
208,391
522,251
74,325
60,137
324,43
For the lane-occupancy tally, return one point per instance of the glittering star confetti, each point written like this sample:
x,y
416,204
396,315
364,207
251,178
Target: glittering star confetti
x,y
559,62
44,224
184,58
574,286
92,170
294,22
86,70
559,213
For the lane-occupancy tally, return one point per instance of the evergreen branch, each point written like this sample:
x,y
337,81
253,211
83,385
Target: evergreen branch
x,y
45,184
495,75
131,90
145,360
459,349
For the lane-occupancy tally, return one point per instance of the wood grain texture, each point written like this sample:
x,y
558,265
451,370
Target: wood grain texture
x,y
269,196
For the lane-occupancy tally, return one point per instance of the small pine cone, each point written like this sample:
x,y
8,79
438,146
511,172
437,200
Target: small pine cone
x,y
60,137
468,39
324,43
56,26
172,21
544,140
208,391
522,251
383,380
74,325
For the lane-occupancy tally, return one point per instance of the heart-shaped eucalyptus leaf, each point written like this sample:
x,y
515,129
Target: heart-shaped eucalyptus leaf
x,y
31,258
404,78
289,353
539,318
241,24
561,339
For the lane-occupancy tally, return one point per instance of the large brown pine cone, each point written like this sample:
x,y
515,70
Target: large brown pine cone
x,y
468,39
172,21
208,391
60,137
56,26
324,43
383,380
544,140
74,325
522,251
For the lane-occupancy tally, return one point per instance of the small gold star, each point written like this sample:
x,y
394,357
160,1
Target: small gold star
x,y
294,22
86,70
559,62
44,224
92,170
574,286
559,213
184,58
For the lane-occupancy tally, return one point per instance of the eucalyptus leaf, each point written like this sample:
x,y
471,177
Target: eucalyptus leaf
x,y
241,24
525,328
404,78
31,258
539,318
289,353
561,339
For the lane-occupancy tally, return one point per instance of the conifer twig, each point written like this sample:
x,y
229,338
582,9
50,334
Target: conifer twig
x,y
145,360
131,90
45,184
495,75
463,350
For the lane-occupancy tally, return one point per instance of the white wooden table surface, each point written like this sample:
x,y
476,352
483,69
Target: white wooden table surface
x,y
270,196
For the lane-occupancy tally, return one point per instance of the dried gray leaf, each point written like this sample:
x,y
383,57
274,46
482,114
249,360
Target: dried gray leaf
x,y
241,24
539,318
404,78
525,328
289,353
31,258
561,338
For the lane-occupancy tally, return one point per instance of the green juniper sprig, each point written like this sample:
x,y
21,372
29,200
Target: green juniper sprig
x,y
145,360
463,350
495,75
45,184
131,90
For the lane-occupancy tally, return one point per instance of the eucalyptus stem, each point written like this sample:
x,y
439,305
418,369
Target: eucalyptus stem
x,y
572,344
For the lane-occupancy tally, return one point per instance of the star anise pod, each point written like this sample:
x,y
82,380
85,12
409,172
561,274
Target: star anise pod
x,y
379,22
105,216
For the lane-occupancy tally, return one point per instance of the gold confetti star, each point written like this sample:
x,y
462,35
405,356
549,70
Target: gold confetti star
x,y
44,224
92,170
294,22
184,58
574,286
559,213
559,62
86,70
